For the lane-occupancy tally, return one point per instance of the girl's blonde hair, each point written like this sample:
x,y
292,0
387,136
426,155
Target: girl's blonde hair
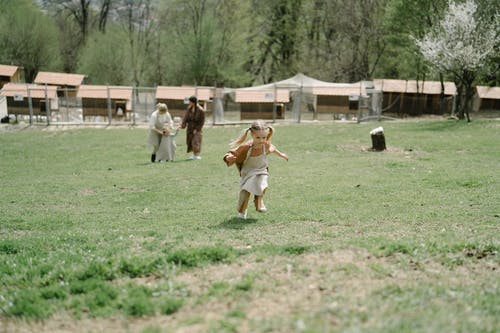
x,y
257,125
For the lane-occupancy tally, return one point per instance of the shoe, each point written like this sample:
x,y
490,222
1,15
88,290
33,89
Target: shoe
x,y
191,157
153,158
197,157
242,215
262,208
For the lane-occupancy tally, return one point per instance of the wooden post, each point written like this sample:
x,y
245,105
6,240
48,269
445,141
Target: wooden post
x,y
30,104
378,139
47,106
110,113
274,103
134,88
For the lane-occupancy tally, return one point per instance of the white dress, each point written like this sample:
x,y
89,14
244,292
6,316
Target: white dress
x,y
254,173
166,151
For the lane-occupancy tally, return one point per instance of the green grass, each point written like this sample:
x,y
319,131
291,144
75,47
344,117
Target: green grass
x,y
404,240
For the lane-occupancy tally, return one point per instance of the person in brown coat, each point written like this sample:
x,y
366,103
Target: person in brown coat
x,y
194,119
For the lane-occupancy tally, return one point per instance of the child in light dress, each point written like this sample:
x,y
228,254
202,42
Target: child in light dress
x,y
250,158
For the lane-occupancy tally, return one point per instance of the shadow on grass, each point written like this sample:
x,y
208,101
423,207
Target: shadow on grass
x,y
185,160
236,223
166,163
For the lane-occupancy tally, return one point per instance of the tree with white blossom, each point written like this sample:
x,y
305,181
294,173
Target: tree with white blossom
x,y
461,45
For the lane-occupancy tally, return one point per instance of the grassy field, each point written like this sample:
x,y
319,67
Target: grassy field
x,y
94,238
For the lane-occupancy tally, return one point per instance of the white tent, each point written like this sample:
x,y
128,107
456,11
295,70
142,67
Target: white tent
x,y
300,81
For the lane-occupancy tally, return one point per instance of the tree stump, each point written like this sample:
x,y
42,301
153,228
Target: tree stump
x,y
378,139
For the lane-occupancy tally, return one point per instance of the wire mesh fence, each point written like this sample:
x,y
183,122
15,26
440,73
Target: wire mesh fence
x,y
112,105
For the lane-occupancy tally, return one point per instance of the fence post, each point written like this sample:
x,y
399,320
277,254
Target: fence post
x,y
300,104
275,101
109,106
134,88
30,105
66,102
213,103
47,108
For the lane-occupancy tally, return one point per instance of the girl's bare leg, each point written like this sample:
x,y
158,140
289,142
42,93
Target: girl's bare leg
x,y
243,201
259,203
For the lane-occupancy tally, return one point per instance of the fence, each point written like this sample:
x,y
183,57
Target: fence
x,y
107,105
3,107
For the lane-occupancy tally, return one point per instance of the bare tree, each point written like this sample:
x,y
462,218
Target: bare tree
x,y
136,19
105,8
78,9
343,39
83,12
275,39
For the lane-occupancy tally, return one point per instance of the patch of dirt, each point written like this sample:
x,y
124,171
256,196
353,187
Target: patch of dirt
x,y
86,192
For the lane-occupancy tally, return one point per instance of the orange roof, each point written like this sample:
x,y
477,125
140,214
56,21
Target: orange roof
x,y
101,92
434,87
6,70
488,92
35,91
341,90
180,93
59,79
410,86
261,96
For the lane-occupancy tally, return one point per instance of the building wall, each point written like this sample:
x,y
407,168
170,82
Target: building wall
x,y
415,104
334,104
22,107
489,104
261,111
99,107
6,79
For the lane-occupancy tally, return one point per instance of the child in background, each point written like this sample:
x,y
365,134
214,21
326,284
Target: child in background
x,y
251,160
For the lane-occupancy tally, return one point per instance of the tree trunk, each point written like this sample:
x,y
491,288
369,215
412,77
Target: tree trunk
x,y
460,100
103,15
378,139
442,95
468,91
378,142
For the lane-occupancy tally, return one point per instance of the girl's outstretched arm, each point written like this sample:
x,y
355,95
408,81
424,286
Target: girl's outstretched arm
x,y
274,150
229,158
